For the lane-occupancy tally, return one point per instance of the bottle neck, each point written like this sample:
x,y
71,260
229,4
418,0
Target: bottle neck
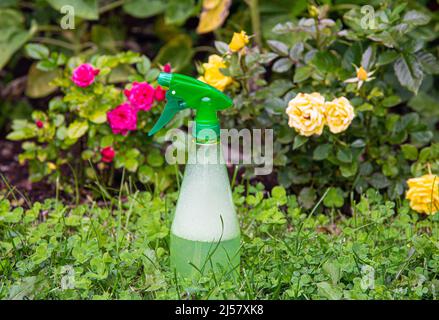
x,y
206,133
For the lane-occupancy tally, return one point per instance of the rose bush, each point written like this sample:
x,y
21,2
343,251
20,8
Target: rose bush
x,y
97,122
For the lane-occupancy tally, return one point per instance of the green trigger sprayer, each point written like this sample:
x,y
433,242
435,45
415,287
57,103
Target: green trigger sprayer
x,y
205,231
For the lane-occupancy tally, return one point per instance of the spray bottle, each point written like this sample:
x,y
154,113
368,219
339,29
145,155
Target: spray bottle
x,y
205,230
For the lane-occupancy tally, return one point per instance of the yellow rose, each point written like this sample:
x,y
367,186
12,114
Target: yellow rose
x,y
339,114
423,194
306,113
212,73
239,41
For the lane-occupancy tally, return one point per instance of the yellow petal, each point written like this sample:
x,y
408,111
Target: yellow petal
x,y
211,19
362,74
211,4
213,75
239,41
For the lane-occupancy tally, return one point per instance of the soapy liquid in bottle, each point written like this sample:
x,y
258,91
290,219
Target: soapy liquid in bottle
x,y
205,232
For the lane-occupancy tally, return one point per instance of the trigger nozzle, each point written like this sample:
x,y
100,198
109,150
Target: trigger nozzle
x,y
164,79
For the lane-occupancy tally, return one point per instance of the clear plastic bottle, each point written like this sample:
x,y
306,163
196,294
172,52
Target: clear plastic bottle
x,y
205,231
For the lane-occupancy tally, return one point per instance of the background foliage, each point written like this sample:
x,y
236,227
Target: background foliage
x,y
309,47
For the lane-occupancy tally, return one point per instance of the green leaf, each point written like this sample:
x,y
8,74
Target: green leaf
x,y
428,61
282,65
155,158
22,130
77,129
280,194
307,197
302,73
358,143
391,101
144,65
87,155
416,18
39,82
178,11
131,164
410,152
333,270
296,51
13,35
322,152
144,8
152,75
41,253
87,9
325,61
421,137
47,65
106,141
98,114
37,51
278,47
408,71
12,216
221,46
349,170
334,198
344,155
299,141
329,291
387,57
178,52
145,174
379,181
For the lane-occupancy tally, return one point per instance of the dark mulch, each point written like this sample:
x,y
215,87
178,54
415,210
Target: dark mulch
x,y
16,175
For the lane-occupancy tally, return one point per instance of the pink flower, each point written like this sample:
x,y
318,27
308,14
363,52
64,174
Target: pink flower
x,y
159,94
39,124
141,95
107,154
122,119
167,68
84,75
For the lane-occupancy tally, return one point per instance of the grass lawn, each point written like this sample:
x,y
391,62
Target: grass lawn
x,y
119,249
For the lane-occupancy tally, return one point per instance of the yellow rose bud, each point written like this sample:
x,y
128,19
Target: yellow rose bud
x,y
212,73
313,11
339,114
51,166
306,114
423,194
362,74
239,41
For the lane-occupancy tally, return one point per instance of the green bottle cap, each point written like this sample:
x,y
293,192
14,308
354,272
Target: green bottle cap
x,y
186,92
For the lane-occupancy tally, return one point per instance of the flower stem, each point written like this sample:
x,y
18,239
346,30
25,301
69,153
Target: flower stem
x,y
256,20
55,42
111,6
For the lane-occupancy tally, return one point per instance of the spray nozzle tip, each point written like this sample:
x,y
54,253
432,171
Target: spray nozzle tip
x,y
164,79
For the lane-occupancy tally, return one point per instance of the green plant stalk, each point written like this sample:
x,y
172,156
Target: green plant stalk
x,y
256,20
